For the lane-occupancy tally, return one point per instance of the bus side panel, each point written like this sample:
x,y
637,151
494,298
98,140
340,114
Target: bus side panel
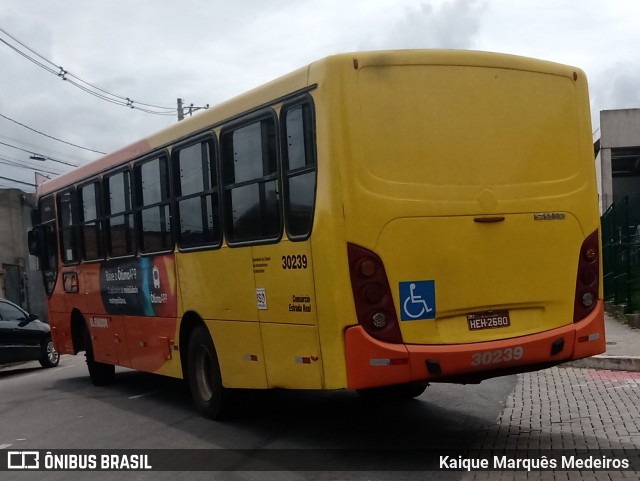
x,y
150,341
108,338
107,331
242,364
293,355
218,284
61,332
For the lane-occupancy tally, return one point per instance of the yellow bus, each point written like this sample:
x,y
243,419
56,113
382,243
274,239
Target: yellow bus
x,y
374,221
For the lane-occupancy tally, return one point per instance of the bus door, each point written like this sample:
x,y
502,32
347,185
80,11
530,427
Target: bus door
x,y
285,297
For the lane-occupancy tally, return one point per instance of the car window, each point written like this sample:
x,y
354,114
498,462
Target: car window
x,y
10,313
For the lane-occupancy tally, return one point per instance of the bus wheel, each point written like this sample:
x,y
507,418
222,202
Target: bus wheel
x,y
101,374
205,381
399,392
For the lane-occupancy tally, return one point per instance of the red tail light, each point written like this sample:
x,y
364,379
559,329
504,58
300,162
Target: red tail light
x,y
372,295
588,281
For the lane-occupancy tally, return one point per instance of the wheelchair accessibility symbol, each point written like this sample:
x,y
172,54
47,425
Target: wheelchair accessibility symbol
x,y
418,300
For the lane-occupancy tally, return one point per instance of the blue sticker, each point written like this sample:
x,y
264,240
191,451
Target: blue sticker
x,y
417,300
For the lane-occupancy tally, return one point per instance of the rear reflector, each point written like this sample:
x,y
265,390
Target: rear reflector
x,y
590,338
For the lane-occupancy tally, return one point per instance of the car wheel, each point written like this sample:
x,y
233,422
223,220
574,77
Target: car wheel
x,y
50,357
205,381
101,374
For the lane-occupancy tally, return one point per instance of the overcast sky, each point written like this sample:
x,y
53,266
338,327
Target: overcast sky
x,y
207,51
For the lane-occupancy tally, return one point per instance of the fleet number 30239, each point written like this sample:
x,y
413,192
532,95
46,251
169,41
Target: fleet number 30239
x,y
497,356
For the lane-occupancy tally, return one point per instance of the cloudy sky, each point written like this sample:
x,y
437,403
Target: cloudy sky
x,y
207,51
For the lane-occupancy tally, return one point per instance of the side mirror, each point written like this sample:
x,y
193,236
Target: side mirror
x,y
35,217
32,317
36,241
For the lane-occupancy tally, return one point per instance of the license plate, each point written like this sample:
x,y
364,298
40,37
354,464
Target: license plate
x,y
488,320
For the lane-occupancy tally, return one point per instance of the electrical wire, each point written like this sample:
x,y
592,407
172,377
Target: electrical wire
x,y
44,157
18,181
85,86
24,163
51,136
61,72
28,167
40,148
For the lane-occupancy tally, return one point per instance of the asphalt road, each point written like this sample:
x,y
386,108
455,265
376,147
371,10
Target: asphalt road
x,y
60,409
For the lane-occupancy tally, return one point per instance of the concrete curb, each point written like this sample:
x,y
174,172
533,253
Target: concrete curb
x,y
610,363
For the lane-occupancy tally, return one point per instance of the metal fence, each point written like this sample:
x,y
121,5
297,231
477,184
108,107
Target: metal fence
x,y
621,253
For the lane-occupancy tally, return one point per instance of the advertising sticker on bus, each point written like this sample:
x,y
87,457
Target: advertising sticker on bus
x,y
142,287
417,300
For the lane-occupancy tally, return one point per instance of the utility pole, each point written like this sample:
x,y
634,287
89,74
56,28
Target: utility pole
x,y
180,111
191,108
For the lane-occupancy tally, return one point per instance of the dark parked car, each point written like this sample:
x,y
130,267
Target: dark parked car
x,y
24,338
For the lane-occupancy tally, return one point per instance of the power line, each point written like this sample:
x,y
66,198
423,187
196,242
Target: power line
x,y
40,148
11,163
62,73
18,181
51,136
83,85
39,157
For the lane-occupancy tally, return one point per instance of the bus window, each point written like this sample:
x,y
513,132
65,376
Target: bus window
x,y
47,212
250,178
155,219
92,245
197,194
68,212
120,224
299,170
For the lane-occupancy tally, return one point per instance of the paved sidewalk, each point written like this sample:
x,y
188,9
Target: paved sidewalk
x,y
561,408
623,349
595,409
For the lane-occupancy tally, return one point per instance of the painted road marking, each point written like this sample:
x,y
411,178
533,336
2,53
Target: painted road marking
x,y
146,394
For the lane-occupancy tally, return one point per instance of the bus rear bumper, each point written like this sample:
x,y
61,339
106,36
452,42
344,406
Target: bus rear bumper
x,y
372,363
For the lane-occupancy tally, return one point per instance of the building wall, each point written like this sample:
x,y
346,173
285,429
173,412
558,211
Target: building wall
x,y
15,222
618,129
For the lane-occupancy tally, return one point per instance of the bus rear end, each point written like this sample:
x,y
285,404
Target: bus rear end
x,y
472,220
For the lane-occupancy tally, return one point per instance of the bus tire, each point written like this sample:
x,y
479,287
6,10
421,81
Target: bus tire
x,y
399,392
101,374
204,378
